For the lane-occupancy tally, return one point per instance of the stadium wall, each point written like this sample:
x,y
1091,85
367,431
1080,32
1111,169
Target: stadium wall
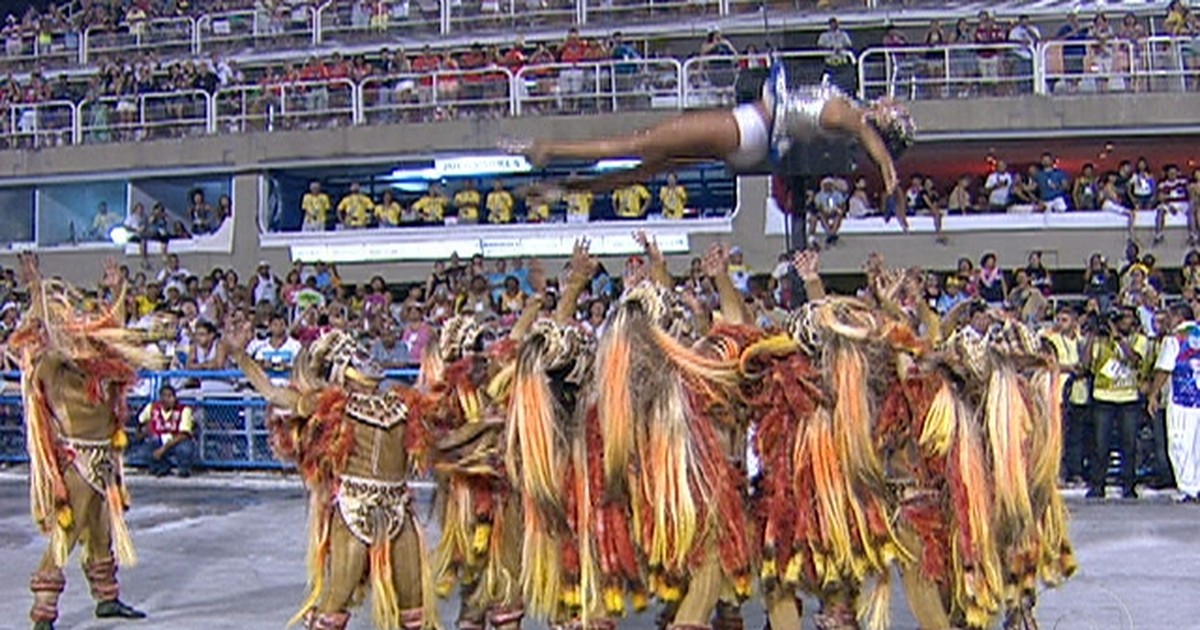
x,y
1031,117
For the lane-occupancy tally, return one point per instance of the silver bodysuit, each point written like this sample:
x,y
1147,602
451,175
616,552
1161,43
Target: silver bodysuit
x,y
797,116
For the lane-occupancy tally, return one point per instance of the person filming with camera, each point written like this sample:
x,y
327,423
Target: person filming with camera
x,y
1115,351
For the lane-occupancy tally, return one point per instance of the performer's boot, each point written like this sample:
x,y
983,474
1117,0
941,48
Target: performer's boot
x,y
689,626
102,578
47,585
412,619
506,618
328,621
728,617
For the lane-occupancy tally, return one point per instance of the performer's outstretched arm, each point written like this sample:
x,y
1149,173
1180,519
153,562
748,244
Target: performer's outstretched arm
x,y
733,305
807,263
583,267
841,115
235,340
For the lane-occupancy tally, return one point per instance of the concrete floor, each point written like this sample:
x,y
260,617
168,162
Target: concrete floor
x,y
226,551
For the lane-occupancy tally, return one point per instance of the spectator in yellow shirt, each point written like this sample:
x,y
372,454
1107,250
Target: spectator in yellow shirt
x,y
432,207
389,211
500,204
630,202
355,209
467,201
315,205
537,209
579,206
673,197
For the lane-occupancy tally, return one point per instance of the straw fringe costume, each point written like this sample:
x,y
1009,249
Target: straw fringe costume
x,y
553,456
480,548
663,414
76,371
979,430
353,446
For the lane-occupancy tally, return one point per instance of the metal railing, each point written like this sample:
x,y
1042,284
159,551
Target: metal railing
x,y
954,71
918,72
137,117
1088,66
37,125
280,106
231,422
708,81
424,97
603,86
165,36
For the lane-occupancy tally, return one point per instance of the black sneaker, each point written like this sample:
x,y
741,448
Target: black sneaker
x,y
43,625
117,609
1094,493
1129,493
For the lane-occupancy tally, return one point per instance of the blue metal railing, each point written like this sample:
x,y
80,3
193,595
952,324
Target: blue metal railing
x,y
231,419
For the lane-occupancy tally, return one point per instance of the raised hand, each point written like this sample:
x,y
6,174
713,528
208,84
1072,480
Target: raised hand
x,y
650,246
716,261
583,265
237,336
29,268
807,264
112,273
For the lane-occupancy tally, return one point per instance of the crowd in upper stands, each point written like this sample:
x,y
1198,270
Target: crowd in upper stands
x,y
281,92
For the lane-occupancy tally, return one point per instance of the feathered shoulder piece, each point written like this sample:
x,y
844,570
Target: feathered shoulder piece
x,y
320,443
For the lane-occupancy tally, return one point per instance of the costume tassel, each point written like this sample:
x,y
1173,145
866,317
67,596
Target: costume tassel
x,y
317,554
1007,420
531,457
122,543
937,431
428,597
615,407
385,608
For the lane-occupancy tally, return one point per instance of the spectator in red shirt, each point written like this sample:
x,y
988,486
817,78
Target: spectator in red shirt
x,y
316,93
987,34
573,50
426,63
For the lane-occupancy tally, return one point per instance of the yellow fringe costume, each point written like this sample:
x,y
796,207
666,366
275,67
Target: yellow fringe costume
x,y
76,369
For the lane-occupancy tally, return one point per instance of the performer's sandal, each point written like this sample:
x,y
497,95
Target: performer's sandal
x,y
115,608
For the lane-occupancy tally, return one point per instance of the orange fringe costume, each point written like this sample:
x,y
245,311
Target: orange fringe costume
x,y
480,548
352,446
822,504
982,431
662,412
76,370
552,456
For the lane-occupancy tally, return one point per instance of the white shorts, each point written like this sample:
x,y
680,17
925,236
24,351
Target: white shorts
x,y
1177,207
753,141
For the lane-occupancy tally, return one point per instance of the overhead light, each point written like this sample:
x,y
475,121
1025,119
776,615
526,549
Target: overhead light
x,y
616,165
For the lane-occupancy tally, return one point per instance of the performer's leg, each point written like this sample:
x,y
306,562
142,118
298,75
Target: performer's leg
x,y
699,135
507,613
99,564
407,578
48,582
703,591
347,563
783,609
183,457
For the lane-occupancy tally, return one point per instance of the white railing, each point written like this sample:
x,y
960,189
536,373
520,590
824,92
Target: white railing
x,y
37,125
496,15
1088,66
366,22
137,117
424,97
709,81
1156,64
162,36
625,11
285,106
954,71
604,86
